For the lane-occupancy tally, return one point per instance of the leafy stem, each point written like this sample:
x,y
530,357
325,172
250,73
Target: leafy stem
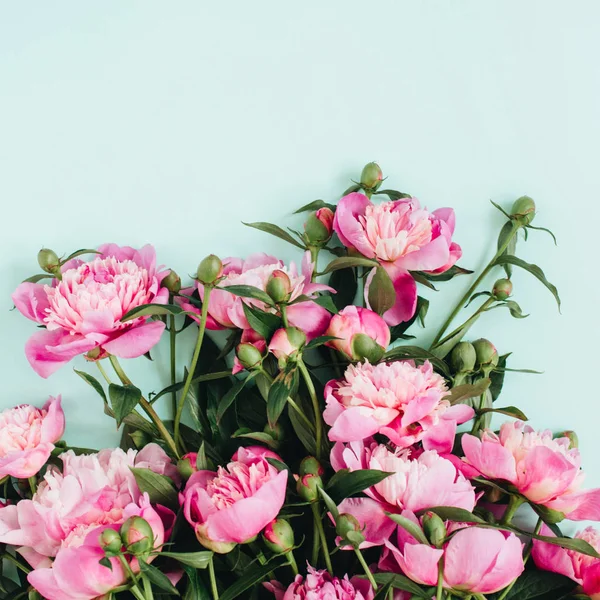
x,y
316,408
323,540
173,357
213,580
513,504
365,566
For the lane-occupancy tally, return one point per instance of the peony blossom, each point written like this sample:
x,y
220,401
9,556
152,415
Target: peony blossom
x,y
545,470
225,310
353,320
237,502
319,585
27,437
82,311
415,484
402,237
476,560
397,399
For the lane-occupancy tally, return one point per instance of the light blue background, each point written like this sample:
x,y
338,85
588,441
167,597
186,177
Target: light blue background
x,y
170,123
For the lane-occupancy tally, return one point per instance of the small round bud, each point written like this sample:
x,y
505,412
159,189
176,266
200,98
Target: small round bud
x,y
364,347
307,487
279,286
523,210
137,535
110,541
486,352
279,536
172,282
502,289
573,439
371,176
311,466
349,529
48,261
434,528
186,465
463,357
275,431
286,344
209,270
249,355
319,226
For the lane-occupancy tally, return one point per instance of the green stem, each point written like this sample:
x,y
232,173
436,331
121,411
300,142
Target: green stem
x,y
103,372
316,408
147,588
32,485
315,546
135,590
290,556
513,504
365,566
314,257
440,581
323,539
148,409
284,318
468,323
192,369
213,580
469,292
173,356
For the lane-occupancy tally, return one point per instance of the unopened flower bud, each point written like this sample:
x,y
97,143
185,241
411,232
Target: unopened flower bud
x,y
502,289
486,352
434,528
319,226
279,286
110,541
249,355
216,547
137,535
172,282
349,529
364,347
523,210
311,466
371,176
209,270
275,431
186,465
573,439
463,357
48,261
287,343
279,536
307,487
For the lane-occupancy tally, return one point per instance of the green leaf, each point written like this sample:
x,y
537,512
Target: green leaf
x,y
416,353
477,295
315,205
198,560
305,434
506,231
37,278
544,229
511,411
105,562
330,504
530,268
345,484
123,399
319,341
249,291
400,582
265,324
159,488
78,253
152,310
345,283
500,209
536,584
515,309
159,579
420,278
327,302
451,273
201,460
460,393
346,262
195,589
450,513
353,188
497,377
251,577
284,385
412,528
393,194
232,394
382,295
199,379
276,231
93,382
259,436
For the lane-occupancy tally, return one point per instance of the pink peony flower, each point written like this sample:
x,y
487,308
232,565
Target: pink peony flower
x,y
476,560
397,399
415,484
82,311
238,501
27,437
402,237
226,310
352,320
319,585
543,469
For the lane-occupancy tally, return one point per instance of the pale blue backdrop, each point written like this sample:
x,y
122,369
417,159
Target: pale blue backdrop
x,y
145,121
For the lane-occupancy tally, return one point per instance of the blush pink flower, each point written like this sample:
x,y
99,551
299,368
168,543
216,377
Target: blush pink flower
x,y
402,237
353,320
235,503
543,469
319,585
83,310
398,399
27,437
227,310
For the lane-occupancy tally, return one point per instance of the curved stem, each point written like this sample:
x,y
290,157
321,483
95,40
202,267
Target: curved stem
x,y
469,322
103,372
135,590
149,410
513,504
173,357
192,369
323,539
147,588
213,580
440,581
315,547
290,556
314,257
316,408
469,292
365,566
283,311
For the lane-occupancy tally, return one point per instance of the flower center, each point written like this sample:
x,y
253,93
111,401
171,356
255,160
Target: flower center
x,y
236,482
20,428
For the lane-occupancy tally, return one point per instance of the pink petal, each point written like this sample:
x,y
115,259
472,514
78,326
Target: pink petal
x,y
259,259
31,301
10,528
460,413
35,559
309,317
429,257
420,563
490,458
347,225
53,425
578,506
354,424
447,215
376,525
25,463
420,407
136,341
406,295
550,557
591,581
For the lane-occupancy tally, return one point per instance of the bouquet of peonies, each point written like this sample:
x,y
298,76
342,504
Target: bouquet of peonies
x,y
315,452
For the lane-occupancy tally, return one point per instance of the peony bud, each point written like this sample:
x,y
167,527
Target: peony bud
x,y
279,286
502,289
371,176
307,487
137,535
349,529
48,261
209,270
287,342
186,465
249,355
172,282
434,528
573,439
463,357
216,547
311,466
110,541
319,226
279,536
364,347
523,210
486,352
